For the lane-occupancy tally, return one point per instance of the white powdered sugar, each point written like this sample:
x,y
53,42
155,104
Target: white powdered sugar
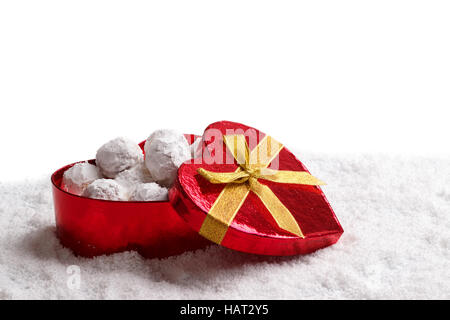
x,y
134,176
149,192
106,189
117,155
165,151
78,177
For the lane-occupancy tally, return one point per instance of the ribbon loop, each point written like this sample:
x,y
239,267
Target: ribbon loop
x,y
224,177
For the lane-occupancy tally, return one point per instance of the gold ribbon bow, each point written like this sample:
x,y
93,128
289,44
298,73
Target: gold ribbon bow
x,y
252,166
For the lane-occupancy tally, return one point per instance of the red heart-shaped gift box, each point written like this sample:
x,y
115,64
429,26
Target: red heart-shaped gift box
x,y
244,221
92,227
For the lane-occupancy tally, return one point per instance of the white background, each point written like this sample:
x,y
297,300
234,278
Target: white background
x,y
322,76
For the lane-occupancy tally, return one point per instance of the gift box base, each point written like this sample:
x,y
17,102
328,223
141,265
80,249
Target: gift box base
x,y
92,227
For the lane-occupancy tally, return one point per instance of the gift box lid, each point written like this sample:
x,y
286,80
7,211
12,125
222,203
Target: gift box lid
x,y
248,192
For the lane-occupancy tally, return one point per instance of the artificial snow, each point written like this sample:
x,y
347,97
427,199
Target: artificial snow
x,y
395,213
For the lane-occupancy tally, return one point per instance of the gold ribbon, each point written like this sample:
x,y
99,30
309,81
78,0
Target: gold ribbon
x,y
252,166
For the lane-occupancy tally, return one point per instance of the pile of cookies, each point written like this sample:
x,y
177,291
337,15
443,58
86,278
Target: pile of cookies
x,y
122,173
